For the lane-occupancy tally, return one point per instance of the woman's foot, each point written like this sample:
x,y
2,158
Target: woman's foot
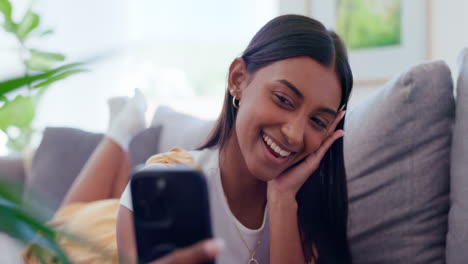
x,y
127,118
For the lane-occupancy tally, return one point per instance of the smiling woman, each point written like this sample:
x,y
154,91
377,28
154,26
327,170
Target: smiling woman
x,y
281,148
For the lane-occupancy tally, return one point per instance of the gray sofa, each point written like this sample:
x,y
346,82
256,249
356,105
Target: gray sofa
x,y
406,154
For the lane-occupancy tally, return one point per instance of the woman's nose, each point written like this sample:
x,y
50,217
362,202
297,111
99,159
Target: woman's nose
x,y
293,131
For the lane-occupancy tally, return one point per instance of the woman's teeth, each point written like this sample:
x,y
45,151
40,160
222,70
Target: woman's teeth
x,y
276,148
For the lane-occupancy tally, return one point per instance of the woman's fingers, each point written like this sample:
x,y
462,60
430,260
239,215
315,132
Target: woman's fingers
x,y
328,143
200,252
337,120
331,138
332,135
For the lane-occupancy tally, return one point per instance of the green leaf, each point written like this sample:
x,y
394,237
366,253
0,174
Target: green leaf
x,y
21,223
19,220
5,9
20,142
19,113
39,253
47,55
29,23
43,61
46,33
16,83
24,227
10,191
58,77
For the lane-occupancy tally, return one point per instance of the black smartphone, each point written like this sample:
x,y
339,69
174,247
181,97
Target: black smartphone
x,y
170,208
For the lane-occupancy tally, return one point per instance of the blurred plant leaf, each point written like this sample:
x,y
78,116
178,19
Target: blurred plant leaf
x,y
5,9
19,112
46,33
39,253
58,77
21,141
24,227
10,191
29,23
13,84
18,222
48,55
43,61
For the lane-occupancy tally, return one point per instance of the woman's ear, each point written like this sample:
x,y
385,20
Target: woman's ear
x,y
238,77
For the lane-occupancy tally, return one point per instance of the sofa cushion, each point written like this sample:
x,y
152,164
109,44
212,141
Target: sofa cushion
x,y
12,169
180,129
457,237
397,149
61,155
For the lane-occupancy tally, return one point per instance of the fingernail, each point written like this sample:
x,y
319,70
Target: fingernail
x,y
343,107
214,246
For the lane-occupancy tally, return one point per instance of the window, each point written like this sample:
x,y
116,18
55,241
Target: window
x,y
177,52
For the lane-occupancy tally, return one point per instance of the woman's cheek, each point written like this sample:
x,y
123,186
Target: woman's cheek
x,y
314,141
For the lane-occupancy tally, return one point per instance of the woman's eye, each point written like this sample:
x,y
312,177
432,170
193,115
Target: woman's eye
x,y
319,122
284,100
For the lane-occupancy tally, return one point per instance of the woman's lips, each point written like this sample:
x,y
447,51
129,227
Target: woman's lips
x,y
273,156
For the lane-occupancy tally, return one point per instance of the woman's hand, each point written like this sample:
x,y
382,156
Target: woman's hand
x,y
200,252
290,181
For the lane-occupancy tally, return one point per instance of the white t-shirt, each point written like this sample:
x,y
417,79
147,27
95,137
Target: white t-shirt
x,y
222,219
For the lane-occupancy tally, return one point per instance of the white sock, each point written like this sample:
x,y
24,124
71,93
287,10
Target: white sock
x,y
116,104
127,118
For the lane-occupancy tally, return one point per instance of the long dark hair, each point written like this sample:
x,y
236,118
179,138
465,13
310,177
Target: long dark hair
x,y
323,199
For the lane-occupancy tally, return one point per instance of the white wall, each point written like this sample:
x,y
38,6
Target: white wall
x,y
299,7
449,30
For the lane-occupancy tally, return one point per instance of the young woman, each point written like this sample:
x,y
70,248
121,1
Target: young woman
x,y
274,161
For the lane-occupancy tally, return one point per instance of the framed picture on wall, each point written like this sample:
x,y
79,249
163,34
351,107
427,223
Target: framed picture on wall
x,y
383,37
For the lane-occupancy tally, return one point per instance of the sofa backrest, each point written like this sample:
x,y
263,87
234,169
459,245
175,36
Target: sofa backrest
x,y
457,236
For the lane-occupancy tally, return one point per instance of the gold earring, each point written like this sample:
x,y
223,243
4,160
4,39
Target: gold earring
x,y
236,106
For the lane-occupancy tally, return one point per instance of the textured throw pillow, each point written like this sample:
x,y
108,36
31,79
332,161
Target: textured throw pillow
x,y
180,130
61,155
397,154
457,237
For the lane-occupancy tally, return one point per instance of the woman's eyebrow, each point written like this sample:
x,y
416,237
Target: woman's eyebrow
x,y
292,87
328,111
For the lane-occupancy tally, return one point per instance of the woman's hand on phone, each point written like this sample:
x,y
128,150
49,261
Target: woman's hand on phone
x,y
291,180
200,252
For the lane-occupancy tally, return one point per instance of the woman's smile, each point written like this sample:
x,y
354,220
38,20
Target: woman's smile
x,y
274,152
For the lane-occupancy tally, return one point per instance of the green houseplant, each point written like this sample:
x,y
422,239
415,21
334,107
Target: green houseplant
x,y
19,97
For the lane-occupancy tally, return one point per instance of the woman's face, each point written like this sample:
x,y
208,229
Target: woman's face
x,y
286,109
